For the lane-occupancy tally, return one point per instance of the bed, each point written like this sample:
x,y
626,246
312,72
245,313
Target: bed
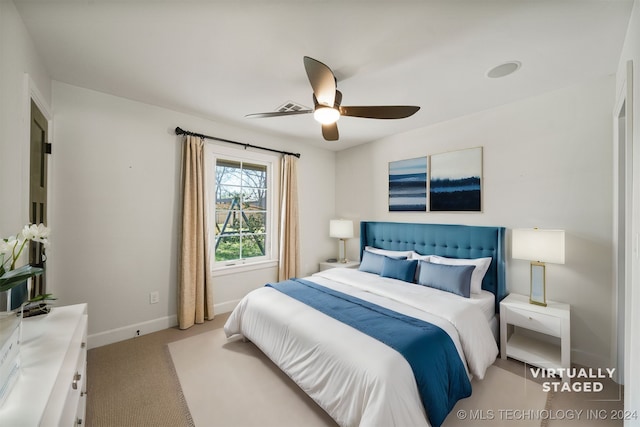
x,y
357,367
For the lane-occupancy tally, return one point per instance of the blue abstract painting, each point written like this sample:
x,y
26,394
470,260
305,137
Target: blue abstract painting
x,y
408,185
456,181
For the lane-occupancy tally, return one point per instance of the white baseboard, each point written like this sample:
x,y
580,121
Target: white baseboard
x,y
131,331
588,359
225,307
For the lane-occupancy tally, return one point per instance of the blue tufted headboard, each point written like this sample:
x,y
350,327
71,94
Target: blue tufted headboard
x,y
453,241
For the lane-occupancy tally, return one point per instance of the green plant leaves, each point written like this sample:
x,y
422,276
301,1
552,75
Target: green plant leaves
x,y
14,277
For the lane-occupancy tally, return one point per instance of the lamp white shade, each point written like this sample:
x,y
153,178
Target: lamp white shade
x,y
535,244
341,228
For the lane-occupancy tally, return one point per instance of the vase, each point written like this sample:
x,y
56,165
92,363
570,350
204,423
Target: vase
x,y
13,299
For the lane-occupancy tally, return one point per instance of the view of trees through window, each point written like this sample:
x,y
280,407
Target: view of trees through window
x,y
240,210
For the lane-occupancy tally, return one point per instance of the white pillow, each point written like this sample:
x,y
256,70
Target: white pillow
x,y
481,264
386,252
416,255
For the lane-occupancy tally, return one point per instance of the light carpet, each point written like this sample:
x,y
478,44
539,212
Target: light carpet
x,y
232,383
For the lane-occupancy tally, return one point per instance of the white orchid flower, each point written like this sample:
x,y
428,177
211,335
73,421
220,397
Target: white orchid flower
x,y
42,231
40,234
27,232
33,232
15,244
5,248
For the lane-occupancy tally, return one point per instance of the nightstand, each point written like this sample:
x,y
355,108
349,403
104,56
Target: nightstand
x,y
348,264
537,335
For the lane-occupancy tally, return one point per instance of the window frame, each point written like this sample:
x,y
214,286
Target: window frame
x,y
213,152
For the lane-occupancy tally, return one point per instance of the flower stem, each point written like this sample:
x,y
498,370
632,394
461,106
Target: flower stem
x,y
14,256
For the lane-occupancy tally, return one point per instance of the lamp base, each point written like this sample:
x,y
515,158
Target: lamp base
x,y
538,292
342,249
543,304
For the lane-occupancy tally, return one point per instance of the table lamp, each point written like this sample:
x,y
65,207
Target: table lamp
x,y
538,246
341,229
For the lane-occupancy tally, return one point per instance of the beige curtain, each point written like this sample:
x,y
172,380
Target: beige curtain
x,y
289,257
195,299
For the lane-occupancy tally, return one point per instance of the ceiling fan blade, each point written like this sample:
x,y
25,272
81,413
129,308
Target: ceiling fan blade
x,y
277,114
380,112
338,99
322,81
330,132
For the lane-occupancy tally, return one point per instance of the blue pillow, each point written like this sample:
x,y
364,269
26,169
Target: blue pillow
x,y
401,269
450,278
372,263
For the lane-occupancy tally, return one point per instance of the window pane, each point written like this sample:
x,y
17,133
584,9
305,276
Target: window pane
x,y
228,222
253,245
225,195
227,248
254,199
256,222
228,172
220,217
254,176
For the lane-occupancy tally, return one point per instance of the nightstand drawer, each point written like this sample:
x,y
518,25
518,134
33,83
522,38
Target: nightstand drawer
x,y
539,322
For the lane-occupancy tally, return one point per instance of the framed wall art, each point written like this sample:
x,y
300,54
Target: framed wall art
x,y
455,182
408,185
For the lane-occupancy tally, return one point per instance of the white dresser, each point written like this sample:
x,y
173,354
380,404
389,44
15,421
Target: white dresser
x,y
51,389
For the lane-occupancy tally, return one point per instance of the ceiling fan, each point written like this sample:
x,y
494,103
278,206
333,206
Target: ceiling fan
x,y
327,98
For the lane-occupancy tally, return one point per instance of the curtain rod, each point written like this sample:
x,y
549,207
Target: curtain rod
x,y
180,131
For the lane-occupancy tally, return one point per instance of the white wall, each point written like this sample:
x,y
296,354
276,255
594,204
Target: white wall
x,y
17,58
631,52
548,164
116,219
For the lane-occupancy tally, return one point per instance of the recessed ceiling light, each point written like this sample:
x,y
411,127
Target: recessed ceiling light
x,y
504,69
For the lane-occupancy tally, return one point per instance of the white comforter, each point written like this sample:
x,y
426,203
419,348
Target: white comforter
x,y
355,378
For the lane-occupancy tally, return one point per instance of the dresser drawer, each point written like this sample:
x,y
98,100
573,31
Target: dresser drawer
x,y
539,322
75,379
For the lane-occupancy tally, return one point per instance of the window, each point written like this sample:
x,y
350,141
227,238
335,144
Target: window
x,y
241,212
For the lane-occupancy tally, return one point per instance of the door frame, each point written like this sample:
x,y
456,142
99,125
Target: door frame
x,y
624,238
32,93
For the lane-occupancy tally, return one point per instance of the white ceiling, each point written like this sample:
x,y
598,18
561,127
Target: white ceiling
x,y
224,59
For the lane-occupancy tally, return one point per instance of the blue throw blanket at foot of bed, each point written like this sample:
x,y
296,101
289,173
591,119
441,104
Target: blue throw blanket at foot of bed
x,y
440,374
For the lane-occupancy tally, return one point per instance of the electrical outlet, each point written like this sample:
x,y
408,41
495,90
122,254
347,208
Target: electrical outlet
x,y
154,297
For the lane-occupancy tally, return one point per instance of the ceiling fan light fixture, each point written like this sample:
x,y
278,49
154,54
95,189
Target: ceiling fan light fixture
x,y
327,103
326,115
